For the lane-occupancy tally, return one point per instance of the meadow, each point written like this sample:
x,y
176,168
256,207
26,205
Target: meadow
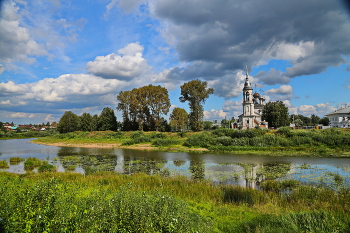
x,y
110,202
285,141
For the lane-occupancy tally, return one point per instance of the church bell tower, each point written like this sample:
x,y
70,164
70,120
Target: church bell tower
x,y
248,104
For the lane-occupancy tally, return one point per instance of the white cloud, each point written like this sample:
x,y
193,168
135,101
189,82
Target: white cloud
x,y
126,67
272,77
214,114
16,43
11,87
19,115
282,90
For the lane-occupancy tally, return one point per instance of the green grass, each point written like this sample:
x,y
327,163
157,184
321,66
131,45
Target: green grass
x,y
16,160
283,142
108,202
4,164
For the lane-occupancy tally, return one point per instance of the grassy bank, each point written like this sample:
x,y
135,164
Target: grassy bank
x,y
107,202
283,142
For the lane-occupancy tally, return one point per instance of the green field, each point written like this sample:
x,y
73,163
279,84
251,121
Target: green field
x,y
109,202
331,142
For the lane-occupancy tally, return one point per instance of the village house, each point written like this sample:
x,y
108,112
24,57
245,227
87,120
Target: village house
x,y
339,118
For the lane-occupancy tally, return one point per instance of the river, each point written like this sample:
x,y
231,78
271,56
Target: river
x,y
244,170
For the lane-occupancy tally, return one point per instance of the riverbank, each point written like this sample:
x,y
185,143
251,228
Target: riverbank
x,y
284,142
105,201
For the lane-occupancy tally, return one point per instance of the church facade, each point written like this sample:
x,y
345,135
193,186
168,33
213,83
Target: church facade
x,y
253,105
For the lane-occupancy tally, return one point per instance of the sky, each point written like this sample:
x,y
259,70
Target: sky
x,y
77,55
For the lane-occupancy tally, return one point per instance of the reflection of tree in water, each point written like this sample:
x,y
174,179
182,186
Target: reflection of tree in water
x,y
89,160
179,163
142,164
256,173
197,169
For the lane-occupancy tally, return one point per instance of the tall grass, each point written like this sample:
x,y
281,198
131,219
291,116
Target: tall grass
x,y
106,202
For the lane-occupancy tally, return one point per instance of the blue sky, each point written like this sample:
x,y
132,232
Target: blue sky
x,y
65,55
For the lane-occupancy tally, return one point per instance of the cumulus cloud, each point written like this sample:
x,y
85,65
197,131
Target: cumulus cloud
x,y
126,67
16,42
282,90
215,38
272,77
214,114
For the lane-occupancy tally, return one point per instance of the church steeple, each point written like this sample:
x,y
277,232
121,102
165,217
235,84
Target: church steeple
x,y
247,85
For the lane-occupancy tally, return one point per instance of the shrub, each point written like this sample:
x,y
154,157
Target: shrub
x,y
181,134
15,160
4,164
47,168
224,140
32,163
157,135
199,140
136,134
286,131
165,142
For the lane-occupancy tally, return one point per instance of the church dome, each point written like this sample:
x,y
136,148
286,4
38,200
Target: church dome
x,y
256,95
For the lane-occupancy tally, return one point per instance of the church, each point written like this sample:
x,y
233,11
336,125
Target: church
x,y
253,105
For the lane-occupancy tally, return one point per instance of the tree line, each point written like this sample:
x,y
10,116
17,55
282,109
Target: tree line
x,y
144,109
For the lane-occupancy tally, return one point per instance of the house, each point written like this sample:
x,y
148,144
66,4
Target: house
x,y
339,118
253,105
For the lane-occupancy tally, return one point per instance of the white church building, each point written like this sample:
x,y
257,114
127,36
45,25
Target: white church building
x,y
339,118
253,105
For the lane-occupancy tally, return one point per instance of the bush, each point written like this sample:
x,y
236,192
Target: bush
x,y
47,168
199,140
32,163
165,142
137,134
157,135
15,160
4,164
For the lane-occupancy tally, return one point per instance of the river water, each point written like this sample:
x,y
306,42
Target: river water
x,y
244,170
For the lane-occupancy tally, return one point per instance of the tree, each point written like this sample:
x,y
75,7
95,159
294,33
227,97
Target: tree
x,y
126,100
298,123
68,122
315,119
324,121
143,107
207,125
107,120
196,93
179,119
85,122
276,114
94,125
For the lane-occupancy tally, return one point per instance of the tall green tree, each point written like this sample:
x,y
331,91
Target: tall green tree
x,y
315,119
143,107
94,125
85,122
179,119
324,121
107,120
69,122
276,114
196,93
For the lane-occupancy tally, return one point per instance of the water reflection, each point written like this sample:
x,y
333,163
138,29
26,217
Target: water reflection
x,y
244,170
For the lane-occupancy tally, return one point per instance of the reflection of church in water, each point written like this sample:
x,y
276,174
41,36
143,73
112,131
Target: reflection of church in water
x,y
253,105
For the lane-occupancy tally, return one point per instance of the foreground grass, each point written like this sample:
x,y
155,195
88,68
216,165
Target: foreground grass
x,y
331,142
108,202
